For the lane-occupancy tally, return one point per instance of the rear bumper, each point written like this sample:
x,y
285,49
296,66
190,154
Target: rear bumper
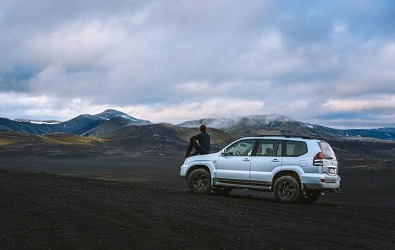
x,y
321,181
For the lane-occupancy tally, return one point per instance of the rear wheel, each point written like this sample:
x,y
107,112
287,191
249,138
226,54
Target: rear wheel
x,y
310,196
286,189
199,181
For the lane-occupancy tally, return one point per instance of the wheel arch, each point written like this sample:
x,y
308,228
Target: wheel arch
x,y
284,173
197,166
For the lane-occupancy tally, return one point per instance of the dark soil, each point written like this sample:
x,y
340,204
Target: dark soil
x,y
151,208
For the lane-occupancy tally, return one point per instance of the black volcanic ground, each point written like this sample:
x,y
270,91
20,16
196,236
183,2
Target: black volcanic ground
x,y
141,202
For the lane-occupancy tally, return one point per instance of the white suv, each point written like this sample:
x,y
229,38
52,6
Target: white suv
x,y
294,168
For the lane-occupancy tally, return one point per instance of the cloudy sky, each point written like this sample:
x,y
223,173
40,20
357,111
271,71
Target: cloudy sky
x,y
326,62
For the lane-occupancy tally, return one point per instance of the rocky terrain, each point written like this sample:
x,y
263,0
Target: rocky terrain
x,y
131,203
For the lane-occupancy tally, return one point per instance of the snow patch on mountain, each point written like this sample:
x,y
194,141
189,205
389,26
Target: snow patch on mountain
x,y
37,121
308,125
45,122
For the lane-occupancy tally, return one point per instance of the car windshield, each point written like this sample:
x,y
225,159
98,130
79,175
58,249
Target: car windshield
x,y
241,148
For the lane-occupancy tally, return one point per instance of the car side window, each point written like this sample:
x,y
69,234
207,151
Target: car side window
x,y
295,148
241,148
269,148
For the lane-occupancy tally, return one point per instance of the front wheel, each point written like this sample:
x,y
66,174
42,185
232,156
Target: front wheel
x,y
286,189
199,181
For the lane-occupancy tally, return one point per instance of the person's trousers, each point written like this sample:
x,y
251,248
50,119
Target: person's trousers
x,y
194,144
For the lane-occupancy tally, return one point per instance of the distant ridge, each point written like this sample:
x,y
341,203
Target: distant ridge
x,y
109,121
79,125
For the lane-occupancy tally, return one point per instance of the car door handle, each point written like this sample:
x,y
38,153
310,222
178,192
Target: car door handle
x,y
275,160
246,159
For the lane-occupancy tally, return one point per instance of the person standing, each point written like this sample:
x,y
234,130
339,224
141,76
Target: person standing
x,y
201,143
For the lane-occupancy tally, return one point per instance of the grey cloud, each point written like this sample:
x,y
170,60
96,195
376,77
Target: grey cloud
x,y
16,79
148,52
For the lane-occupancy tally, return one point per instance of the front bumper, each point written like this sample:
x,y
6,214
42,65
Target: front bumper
x,y
183,170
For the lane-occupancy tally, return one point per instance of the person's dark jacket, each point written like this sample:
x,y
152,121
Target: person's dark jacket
x,y
204,141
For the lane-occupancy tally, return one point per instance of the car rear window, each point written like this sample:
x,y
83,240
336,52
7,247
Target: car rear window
x,y
327,150
295,148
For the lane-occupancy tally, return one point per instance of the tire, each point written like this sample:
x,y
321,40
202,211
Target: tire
x,y
199,181
310,196
221,190
286,189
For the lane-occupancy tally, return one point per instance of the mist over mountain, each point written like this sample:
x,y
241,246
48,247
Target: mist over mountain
x,y
229,123
282,125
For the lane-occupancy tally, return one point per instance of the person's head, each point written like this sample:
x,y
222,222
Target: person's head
x,y
203,128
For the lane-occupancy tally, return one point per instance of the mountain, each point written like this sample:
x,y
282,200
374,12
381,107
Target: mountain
x,y
109,121
111,114
115,133
24,126
81,125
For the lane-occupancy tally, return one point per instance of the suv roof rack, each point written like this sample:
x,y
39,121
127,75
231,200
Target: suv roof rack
x,y
288,136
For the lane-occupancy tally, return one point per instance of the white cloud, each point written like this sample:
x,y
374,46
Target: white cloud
x,y
377,103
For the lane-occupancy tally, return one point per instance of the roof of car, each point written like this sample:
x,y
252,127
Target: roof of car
x,y
280,137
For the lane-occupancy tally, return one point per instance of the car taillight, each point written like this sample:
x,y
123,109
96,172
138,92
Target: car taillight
x,y
318,159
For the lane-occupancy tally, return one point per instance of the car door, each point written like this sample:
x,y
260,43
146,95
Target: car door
x,y
268,156
234,163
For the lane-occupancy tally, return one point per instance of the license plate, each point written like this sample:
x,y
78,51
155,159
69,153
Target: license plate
x,y
330,179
